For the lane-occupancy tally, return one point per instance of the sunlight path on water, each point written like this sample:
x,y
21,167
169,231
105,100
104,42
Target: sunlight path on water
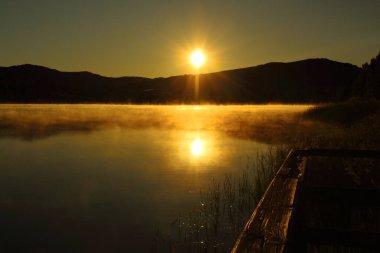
x,y
103,175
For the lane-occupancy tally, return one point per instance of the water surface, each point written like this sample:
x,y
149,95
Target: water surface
x,y
98,178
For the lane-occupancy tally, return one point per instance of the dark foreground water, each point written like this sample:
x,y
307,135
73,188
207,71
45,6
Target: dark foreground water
x,y
99,178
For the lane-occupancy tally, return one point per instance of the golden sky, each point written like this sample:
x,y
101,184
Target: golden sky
x,y
154,38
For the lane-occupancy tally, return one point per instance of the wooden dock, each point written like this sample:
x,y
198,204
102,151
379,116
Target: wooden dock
x,y
319,201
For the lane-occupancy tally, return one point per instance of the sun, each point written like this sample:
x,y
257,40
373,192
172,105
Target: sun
x,y
197,58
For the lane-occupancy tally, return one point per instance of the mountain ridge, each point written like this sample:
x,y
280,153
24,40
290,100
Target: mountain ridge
x,y
29,65
309,80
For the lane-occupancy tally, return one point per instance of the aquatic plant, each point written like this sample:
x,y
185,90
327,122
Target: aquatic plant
x,y
214,224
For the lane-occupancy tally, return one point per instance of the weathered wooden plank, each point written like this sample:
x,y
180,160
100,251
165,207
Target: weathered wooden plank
x,y
359,197
266,230
352,238
338,153
338,202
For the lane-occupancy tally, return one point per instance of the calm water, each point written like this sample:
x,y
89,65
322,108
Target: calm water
x,y
96,178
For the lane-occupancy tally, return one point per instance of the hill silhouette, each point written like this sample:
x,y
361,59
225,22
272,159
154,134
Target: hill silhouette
x,y
311,80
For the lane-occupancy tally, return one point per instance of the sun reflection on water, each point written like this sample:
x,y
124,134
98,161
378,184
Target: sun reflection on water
x,y
197,147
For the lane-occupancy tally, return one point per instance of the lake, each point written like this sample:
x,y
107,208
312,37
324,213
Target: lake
x,y
99,178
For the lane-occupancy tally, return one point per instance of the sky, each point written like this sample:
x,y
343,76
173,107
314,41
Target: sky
x,y
154,38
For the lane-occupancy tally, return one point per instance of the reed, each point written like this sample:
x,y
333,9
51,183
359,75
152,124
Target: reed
x,y
344,114
214,224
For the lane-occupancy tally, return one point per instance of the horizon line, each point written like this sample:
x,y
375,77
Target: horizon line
x,y
186,74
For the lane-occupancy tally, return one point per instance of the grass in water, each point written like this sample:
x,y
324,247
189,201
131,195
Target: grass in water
x,y
223,209
344,114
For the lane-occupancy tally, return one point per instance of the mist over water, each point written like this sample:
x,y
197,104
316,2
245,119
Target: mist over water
x,y
40,121
98,178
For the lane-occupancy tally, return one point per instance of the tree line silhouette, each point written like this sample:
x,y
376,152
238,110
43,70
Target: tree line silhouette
x,y
367,85
305,81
